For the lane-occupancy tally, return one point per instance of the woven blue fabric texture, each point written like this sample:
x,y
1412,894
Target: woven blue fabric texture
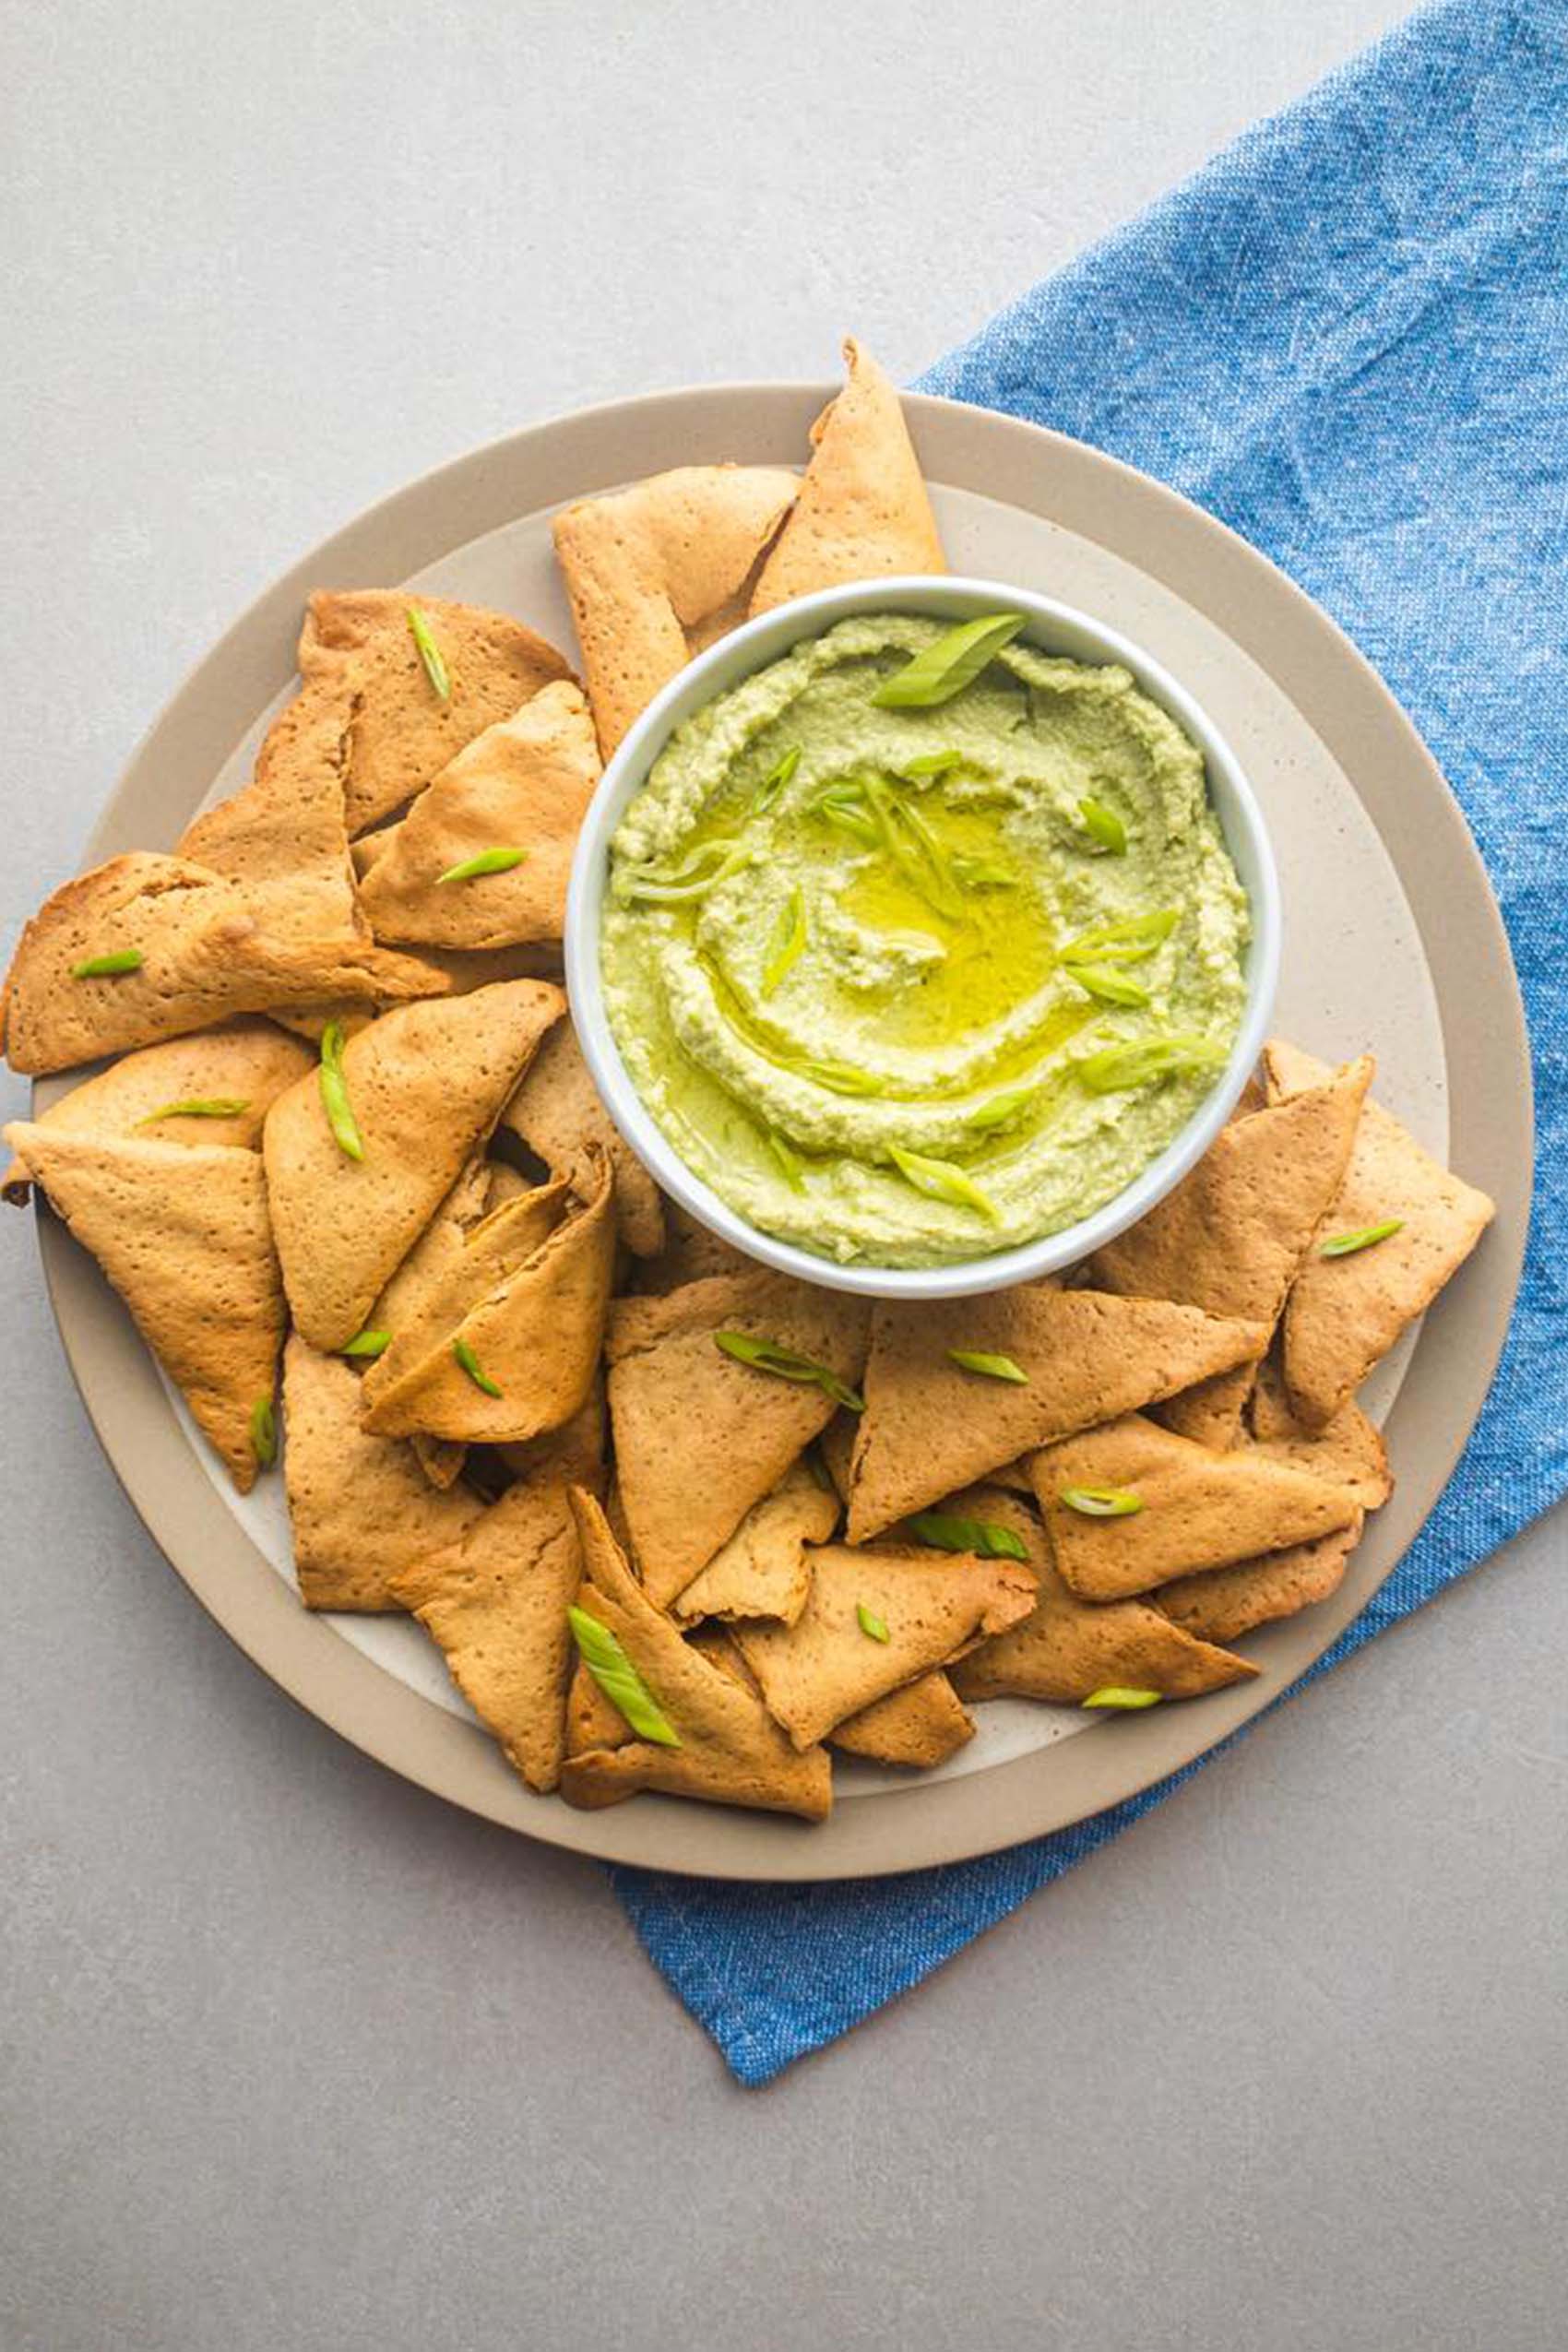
x,y
1348,338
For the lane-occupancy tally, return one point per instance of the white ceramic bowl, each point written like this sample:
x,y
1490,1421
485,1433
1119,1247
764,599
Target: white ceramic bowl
x,y
1058,629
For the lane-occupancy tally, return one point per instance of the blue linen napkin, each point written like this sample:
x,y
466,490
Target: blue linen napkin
x,y
1347,337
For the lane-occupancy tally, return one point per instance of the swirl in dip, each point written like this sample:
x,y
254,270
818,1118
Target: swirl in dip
x,y
911,972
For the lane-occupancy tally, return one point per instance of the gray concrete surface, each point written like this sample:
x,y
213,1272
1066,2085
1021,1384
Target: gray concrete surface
x,y
291,2055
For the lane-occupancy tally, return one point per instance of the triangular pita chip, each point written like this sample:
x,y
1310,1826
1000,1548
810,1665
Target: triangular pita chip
x,y
496,1602
203,957
426,1083
411,1302
731,1752
657,572
182,1232
1200,1508
359,645
934,1605
525,1302
1067,1648
284,838
763,1570
931,1426
462,969
247,1062
360,1507
438,1250
1225,1603
524,784
699,1437
1222,1603
428,1265
1231,1235
1344,1313
862,512
466,969
556,1112
1347,1450
917,1726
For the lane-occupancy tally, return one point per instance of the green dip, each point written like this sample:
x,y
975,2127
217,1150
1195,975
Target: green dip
x,y
884,982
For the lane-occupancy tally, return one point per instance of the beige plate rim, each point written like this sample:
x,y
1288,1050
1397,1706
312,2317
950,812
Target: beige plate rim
x,y
1270,620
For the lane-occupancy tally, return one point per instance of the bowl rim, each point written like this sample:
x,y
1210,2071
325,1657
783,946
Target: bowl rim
x,y
750,647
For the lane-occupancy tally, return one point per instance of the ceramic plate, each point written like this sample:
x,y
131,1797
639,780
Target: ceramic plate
x,y
1393,942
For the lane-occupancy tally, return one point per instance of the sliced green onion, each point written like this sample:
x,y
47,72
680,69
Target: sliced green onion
x,y
466,1361
198,1106
123,959
1119,1068
871,1624
789,941
908,815
988,1539
768,1356
607,1661
941,1181
975,1359
1344,1245
841,1077
1104,827
264,1431
430,653
930,764
839,792
367,1343
335,1093
487,862
953,663
913,847
842,802
1127,942
1001,1109
1110,985
850,820
773,783
1115,1695
703,872
1103,1502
